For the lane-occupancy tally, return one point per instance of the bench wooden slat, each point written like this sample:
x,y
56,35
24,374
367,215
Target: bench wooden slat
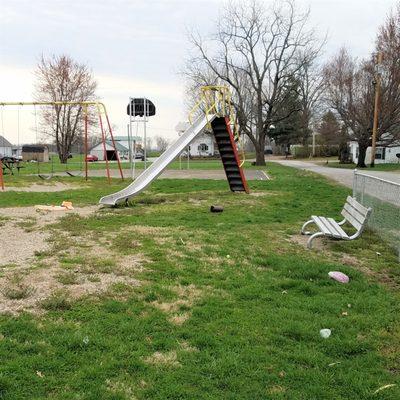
x,y
354,213
320,225
353,221
329,227
337,227
355,204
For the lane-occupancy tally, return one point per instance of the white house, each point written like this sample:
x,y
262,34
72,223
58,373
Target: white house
x,y
203,145
6,148
121,144
98,151
384,154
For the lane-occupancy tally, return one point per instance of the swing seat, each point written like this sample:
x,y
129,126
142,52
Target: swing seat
x,y
73,175
45,177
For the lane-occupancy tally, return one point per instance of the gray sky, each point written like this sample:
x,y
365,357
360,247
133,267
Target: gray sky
x,y
136,48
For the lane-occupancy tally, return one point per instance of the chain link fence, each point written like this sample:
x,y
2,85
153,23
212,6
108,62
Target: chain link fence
x,y
383,197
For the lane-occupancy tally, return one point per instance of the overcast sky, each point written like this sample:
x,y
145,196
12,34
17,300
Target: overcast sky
x,y
136,48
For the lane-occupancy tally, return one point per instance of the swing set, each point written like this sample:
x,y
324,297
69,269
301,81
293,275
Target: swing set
x,y
101,110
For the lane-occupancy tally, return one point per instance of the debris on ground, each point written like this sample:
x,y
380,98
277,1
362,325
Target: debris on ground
x,y
384,387
65,206
339,276
325,333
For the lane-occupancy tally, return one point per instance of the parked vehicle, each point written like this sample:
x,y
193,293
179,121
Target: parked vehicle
x,y
91,158
139,156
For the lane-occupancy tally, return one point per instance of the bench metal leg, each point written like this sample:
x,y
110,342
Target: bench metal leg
x,y
303,232
312,237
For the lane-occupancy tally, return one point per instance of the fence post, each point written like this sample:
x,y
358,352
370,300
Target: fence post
x,y
354,183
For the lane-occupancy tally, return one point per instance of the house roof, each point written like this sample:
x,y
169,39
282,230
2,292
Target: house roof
x,y
126,138
118,145
4,142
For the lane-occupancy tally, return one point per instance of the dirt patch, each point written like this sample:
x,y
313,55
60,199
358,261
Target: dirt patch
x,y
350,260
168,358
39,283
262,194
46,188
121,387
178,310
185,346
197,202
318,244
44,217
95,271
19,246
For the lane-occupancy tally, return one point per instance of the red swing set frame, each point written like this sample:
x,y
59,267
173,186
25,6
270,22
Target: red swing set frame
x,y
101,108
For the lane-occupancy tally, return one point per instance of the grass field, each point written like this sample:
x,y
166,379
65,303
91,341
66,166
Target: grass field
x,y
76,164
201,305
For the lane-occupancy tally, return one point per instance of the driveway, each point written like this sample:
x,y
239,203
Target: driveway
x,y
341,175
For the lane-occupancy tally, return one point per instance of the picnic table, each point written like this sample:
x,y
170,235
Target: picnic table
x,y
10,164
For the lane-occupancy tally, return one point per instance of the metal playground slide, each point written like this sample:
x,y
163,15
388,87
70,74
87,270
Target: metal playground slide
x,y
157,167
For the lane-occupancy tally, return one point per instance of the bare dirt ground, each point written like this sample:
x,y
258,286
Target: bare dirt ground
x,y
217,174
45,187
30,268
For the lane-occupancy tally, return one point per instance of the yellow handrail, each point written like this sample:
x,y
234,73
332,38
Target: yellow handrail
x,y
219,100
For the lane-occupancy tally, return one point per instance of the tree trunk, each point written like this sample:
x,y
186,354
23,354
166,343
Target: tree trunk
x,y
259,148
63,156
362,152
260,157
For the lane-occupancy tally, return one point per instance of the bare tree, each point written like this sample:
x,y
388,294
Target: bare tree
x,y
388,43
350,88
161,143
350,92
60,78
255,51
311,88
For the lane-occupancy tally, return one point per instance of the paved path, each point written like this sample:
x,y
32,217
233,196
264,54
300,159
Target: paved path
x,y
217,174
341,175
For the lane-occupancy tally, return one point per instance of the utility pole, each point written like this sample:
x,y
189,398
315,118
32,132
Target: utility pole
x,y
313,143
376,107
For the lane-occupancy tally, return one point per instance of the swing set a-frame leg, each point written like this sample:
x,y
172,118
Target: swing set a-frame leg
x,y
1,176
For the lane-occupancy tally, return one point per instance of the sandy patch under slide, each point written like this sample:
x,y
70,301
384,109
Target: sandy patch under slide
x,y
36,187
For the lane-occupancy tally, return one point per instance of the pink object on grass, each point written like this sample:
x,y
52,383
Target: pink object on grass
x,y
339,276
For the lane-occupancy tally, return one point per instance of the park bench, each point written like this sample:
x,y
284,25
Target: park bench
x,y
354,214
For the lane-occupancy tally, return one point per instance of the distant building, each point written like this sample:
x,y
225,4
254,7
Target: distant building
x,y
122,146
384,154
110,154
203,145
5,147
124,140
35,152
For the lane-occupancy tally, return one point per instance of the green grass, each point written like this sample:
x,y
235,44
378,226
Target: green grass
x,y
76,164
252,301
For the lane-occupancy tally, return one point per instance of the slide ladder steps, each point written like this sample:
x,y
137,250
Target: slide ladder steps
x,y
229,156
